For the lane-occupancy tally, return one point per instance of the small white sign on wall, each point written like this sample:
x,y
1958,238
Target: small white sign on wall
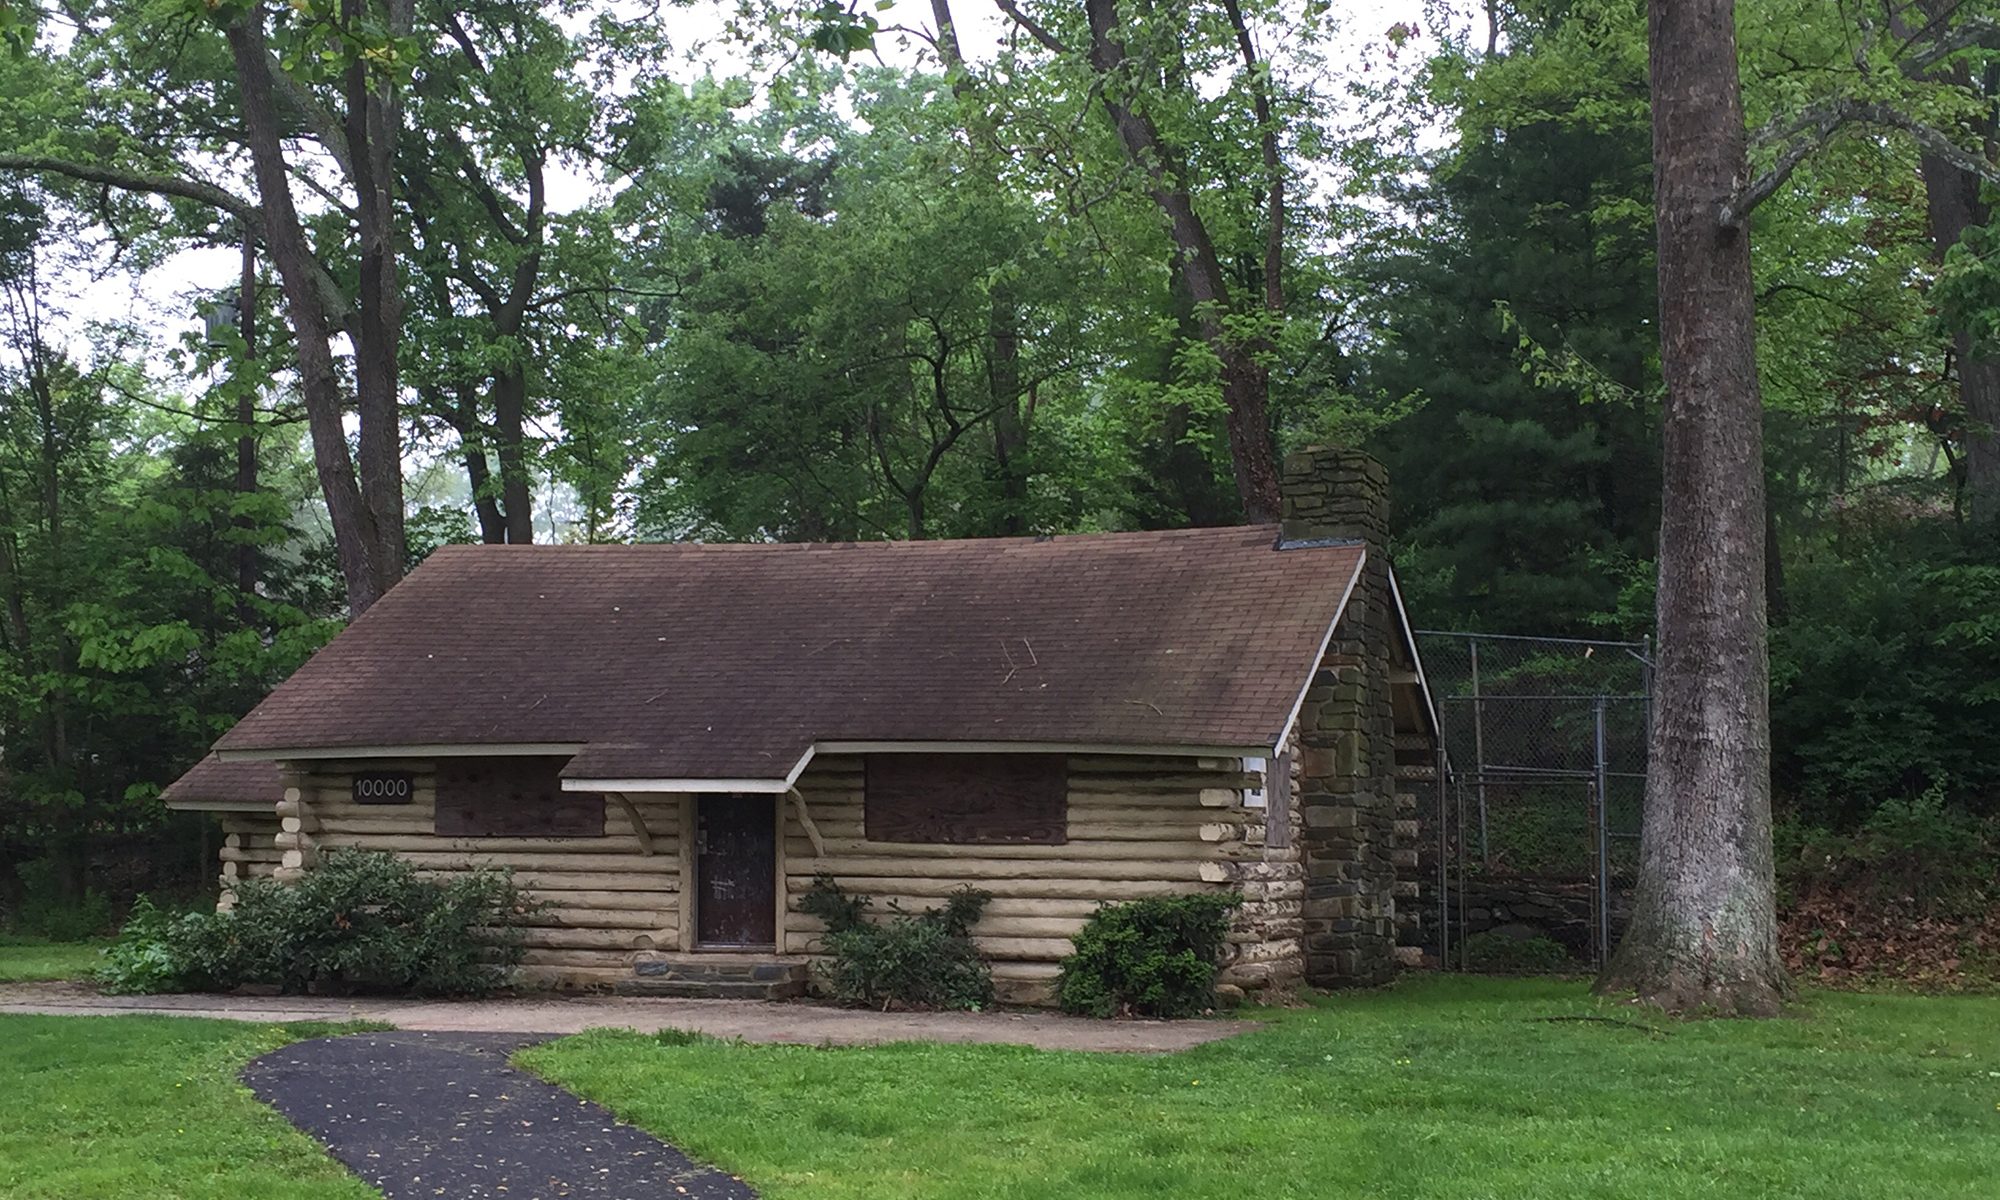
x,y
1254,797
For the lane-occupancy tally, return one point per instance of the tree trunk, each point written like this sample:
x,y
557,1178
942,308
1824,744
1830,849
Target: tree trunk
x,y
510,403
246,443
354,537
1953,203
1010,424
1244,380
371,127
1704,928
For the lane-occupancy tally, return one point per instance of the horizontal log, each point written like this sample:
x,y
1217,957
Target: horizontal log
x,y
1162,784
1085,887
999,906
573,881
629,863
1097,825
601,918
1049,950
599,939
651,900
988,926
840,849
250,854
1026,970
966,870
406,844
542,956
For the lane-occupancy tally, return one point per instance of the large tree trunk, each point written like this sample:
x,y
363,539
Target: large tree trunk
x,y
373,120
510,404
355,539
1704,930
1952,198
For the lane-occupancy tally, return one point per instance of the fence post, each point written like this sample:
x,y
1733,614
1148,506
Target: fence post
x,y
1444,856
1479,751
1599,781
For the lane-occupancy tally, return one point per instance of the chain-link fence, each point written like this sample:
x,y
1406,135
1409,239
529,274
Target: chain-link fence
x,y
1533,836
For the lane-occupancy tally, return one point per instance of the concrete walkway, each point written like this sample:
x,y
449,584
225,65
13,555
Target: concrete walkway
x,y
749,1020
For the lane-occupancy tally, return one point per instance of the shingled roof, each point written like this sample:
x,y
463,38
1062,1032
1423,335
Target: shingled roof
x,y
732,662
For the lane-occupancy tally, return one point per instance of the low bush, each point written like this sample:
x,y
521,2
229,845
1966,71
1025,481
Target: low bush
x,y
1152,957
920,960
357,920
46,912
1498,953
1921,854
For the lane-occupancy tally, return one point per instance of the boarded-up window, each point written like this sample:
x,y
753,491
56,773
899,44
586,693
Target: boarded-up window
x,y
513,797
968,799
1278,806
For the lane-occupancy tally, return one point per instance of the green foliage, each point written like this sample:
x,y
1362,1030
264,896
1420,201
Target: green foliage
x,y
1921,853
1496,953
1882,672
45,911
1153,957
910,960
357,920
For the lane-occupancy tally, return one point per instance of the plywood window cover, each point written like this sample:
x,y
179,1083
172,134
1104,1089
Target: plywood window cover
x,y
966,799
512,797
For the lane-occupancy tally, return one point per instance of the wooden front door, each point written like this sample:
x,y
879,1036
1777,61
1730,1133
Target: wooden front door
x,y
735,869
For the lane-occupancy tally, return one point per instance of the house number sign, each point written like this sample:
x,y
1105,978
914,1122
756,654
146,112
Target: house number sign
x,y
383,787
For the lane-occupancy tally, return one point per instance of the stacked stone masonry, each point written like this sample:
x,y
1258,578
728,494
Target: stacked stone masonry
x,y
1347,731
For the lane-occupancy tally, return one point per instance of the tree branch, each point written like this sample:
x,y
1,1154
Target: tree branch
x,y
338,309
1034,28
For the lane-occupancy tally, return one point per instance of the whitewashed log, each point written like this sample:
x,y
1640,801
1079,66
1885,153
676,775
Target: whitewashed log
x,y
934,887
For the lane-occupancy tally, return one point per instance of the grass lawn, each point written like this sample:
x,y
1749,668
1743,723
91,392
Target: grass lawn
x,y
1444,1087
23,959
124,1107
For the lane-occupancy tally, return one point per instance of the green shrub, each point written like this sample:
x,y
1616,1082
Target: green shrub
x,y
357,920
45,912
1154,957
1921,852
1501,954
912,960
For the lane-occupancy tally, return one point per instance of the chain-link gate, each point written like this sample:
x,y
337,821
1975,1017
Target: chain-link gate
x,y
1532,832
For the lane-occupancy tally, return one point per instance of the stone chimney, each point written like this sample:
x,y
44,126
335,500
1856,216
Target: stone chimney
x,y
1346,732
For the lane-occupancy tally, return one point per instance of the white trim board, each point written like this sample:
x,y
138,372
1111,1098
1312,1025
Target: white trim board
x,y
1319,656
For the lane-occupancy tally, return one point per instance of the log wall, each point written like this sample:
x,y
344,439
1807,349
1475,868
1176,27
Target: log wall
x,y
249,851
608,899
1136,827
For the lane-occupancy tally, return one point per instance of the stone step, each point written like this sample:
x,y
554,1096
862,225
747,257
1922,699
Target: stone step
x,y
718,976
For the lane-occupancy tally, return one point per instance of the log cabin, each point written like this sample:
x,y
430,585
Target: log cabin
x,y
667,743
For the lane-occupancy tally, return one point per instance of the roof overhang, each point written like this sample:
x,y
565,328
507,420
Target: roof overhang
x,y
226,806
436,750
791,778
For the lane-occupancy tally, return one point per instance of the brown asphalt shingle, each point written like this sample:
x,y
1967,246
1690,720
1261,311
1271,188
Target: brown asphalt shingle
x,y
212,781
729,661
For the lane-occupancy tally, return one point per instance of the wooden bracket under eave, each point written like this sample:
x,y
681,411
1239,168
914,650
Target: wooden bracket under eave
x,y
639,829
806,821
